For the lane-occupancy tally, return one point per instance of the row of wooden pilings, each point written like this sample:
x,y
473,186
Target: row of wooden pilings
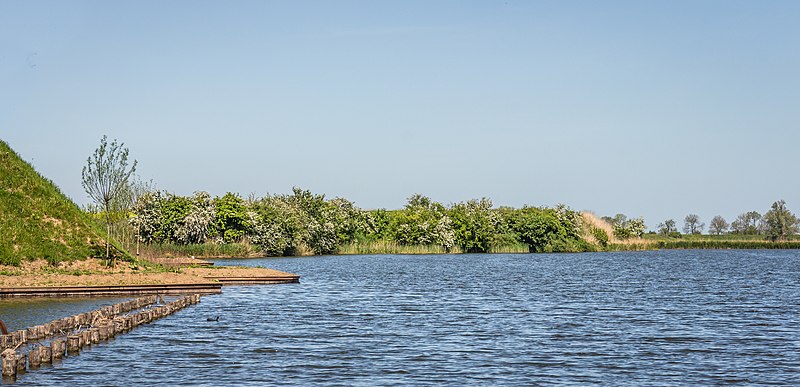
x,y
69,335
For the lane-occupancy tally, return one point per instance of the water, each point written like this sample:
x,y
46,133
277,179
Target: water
x,y
645,318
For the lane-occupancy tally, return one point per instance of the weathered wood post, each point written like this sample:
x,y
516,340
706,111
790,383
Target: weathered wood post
x,y
103,331
9,362
86,338
46,354
5,341
20,337
57,348
74,344
34,357
32,334
22,363
95,332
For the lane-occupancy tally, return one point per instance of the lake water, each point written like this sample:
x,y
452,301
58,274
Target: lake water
x,y
658,318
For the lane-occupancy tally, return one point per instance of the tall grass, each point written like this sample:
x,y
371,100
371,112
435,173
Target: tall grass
x,y
204,250
726,244
390,247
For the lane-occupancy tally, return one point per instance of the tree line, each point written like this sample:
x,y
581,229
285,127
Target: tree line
x,y
303,222
777,224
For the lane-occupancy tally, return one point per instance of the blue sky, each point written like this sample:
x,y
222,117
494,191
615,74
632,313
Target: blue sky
x,y
654,109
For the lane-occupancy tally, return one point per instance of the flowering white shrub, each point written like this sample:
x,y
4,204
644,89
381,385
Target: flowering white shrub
x,y
196,224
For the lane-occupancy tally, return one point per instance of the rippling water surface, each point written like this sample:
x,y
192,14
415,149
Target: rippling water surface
x,y
668,317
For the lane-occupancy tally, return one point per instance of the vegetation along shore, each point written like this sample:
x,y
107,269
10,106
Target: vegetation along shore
x,y
137,221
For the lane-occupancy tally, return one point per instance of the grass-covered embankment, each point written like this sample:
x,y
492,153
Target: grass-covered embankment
x,y
37,220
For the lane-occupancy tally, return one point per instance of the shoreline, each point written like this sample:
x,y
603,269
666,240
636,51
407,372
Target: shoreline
x,y
641,245
91,277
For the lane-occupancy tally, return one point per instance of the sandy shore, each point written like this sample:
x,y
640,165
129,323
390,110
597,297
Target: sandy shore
x,y
93,272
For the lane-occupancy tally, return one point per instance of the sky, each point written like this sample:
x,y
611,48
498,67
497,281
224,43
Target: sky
x,y
648,108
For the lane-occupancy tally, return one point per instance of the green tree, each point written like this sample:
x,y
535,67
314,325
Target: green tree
x,y
230,221
780,222
625,228
173,211
539,228
105,178
423,222
474,225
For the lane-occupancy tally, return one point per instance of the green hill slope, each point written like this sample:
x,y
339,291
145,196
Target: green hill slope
x,y
37,220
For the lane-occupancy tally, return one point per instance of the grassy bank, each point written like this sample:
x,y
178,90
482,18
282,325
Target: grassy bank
x,y
38,220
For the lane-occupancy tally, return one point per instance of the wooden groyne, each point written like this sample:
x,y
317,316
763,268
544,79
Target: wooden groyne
x,y
69,335
121,290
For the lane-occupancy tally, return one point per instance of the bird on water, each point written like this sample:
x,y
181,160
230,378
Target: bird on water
x,y
213,318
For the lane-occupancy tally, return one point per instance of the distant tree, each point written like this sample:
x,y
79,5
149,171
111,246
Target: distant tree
x,y
229,217
718,225
747,223
780,222
423,222
636,227
667,227
539,228
474,225
105,178
692,224
625,228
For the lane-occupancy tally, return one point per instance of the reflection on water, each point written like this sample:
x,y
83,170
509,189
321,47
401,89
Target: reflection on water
x,y
673,317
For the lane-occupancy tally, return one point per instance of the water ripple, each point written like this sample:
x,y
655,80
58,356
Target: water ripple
x,y
644,318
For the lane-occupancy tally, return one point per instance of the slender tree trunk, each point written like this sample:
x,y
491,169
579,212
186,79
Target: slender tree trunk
x,y
138,237
108,235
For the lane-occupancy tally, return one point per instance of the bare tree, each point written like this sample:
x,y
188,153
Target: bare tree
x,y
105,178
718,225
692,224
667,227
747,223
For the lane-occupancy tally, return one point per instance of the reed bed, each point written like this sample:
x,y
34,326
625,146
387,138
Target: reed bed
x,y
204,250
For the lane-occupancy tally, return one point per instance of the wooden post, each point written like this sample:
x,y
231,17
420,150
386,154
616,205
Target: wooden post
x,y
95,335
73,344
46,354
86,338
34,357
32,334
22,363
20,337
57,348
5,341
9,362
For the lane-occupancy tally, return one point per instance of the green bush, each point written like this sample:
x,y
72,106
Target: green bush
x,y
600,236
